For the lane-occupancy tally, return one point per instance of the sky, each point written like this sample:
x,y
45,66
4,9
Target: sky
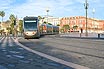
x,y
57,8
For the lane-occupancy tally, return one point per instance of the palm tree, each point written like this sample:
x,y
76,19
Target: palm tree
x,y
0,22
2,14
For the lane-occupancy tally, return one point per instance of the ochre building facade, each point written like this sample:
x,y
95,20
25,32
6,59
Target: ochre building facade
x,y
93,25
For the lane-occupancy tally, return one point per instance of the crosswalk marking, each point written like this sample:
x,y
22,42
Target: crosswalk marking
x,y
6,41
2,39
10,42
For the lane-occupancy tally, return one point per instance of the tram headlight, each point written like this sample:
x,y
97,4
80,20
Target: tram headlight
x,y
26,33
34,32
30,33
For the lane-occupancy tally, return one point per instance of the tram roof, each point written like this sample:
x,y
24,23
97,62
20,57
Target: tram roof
x,y
30,18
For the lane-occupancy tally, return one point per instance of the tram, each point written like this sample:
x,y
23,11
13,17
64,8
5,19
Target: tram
x,y
31,27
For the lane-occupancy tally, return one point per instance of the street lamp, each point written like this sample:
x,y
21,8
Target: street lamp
x,y
47,10
86,7
93,12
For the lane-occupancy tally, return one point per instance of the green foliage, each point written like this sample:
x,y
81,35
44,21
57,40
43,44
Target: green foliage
x,y
49,23
75,27
62,30
66,28
12,26
8,21
45,22
20,26
58,24
9,29
12,18
39,17
2,14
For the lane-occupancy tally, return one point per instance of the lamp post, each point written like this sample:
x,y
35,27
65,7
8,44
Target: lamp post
x,y
47,10
93,12
86,7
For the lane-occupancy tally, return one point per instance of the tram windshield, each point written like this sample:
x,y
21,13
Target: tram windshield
x,y
30,25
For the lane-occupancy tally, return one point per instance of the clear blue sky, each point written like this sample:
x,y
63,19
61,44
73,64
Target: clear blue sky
x,y
58,8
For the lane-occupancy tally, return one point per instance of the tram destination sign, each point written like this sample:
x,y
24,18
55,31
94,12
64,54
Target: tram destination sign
x,y
31,21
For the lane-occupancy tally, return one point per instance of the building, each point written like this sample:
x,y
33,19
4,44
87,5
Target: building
x,y
53,20
4,27
93,25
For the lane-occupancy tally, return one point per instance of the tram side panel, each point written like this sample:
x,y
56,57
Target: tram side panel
x,y
49,29
55,30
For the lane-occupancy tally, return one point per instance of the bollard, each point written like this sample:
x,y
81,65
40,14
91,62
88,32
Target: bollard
x,y
98,35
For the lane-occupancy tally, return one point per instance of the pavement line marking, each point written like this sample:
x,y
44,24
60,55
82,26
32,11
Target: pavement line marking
x,y
10,42
4,42
70,64
1,39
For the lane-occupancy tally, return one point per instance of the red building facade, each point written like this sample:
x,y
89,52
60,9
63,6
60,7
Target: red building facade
x,y
93,25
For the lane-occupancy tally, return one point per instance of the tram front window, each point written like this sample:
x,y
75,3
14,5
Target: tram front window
x,y
30,26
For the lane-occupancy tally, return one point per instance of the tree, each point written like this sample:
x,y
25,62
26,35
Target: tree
x,y
66,28
62,30
8,21
12,28
12,18
58,24
39,17
49,23
44,22
75,27
2,14
21,26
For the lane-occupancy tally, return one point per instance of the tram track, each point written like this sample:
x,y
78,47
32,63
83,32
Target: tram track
x,y
75,45
66,47
76,66
61,49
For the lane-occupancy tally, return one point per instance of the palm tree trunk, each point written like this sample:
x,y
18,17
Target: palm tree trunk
x,y
2,19
1,23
